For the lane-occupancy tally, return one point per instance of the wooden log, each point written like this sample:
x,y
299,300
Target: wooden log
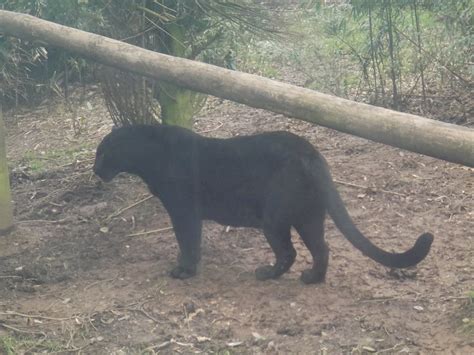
x,y
437,139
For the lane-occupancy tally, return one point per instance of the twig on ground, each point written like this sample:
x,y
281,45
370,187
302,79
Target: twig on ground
x,y
119,212
20,330
44,200
165,345
380,299
38,343
212,129
225,318
44,220
150,232
10,277
56,204
142,310
90,320
367,187
100,281
77,162
156,347
454,298
389,349
72,333
68,350
13,313
186,317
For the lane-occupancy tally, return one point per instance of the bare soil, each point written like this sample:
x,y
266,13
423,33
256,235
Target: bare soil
x,y
85,270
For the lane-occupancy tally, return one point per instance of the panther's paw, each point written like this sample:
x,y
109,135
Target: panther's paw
x,y
265,272
311,276
182,273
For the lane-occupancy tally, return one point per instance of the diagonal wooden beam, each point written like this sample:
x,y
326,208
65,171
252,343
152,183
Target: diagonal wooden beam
x,y
437,139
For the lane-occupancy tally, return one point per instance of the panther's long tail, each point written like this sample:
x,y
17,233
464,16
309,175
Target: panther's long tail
x,y
344,223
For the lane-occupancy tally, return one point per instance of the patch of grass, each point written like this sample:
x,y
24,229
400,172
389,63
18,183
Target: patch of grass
x,y
337,54
468,314
471,296
7,345
10,345
39,162
33,162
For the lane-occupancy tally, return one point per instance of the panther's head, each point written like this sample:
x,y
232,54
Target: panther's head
x,y
106,165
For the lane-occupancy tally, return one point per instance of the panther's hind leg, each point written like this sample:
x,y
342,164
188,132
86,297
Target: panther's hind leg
x,y
279,238
312,233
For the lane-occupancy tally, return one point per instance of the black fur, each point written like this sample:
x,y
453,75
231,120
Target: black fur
x,y
273,181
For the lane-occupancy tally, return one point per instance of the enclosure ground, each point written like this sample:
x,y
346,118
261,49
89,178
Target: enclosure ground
x,y
84,272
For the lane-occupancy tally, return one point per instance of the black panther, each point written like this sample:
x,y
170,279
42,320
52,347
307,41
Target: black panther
x,y
272,181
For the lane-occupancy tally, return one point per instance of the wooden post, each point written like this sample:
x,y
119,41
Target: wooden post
x,y
6,212
411,132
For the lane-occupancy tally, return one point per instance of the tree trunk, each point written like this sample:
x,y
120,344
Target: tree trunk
x,y
425,136
177,105
176,102
6,213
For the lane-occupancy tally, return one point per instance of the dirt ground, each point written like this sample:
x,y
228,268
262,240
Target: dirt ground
x,y
85,270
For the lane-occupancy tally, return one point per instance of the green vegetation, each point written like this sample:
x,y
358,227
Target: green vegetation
x,y
406,54
392,53
468,314
31,71
12,345
197,29
39,162
7,345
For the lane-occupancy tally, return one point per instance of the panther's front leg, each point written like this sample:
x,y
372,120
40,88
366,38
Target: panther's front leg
x,y
187,227
183,209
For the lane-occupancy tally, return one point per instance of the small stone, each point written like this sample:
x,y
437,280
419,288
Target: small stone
x,y
257,336
289,330
234,344
202,339
369,349
190,307
271,346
